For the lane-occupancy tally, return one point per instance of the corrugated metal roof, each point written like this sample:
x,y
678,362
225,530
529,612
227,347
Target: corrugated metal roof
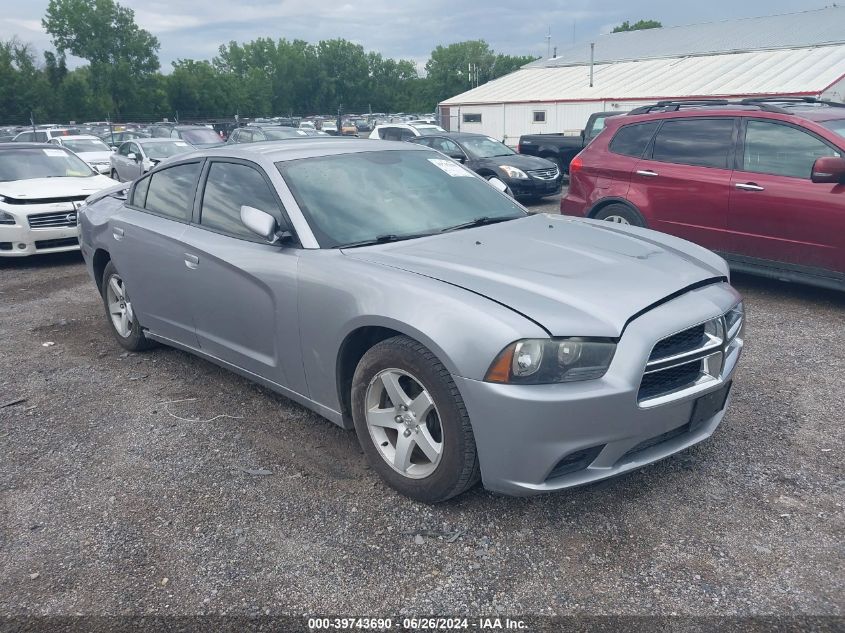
x,y
807,28
792,71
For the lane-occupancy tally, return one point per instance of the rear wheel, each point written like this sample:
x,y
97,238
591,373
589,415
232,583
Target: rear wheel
x,y
121,316
412,423
620,214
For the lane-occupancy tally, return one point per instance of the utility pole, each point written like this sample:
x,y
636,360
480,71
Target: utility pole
x,y
32,120
549,43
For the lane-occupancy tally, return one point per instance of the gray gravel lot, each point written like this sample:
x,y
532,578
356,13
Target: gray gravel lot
x,y
157,483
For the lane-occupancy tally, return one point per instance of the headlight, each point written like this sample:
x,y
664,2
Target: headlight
x,y
513,172
546,361
6,218
735,321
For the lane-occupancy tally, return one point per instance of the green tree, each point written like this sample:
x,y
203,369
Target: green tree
x,y
458,67
637,26
103,32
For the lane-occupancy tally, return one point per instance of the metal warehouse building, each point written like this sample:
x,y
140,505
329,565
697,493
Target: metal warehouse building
x,y
794,54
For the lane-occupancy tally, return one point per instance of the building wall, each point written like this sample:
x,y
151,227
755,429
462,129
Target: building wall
x,y
836,92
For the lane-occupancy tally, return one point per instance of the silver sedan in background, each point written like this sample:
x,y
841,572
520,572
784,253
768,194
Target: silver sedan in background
x,y
462,338
136,157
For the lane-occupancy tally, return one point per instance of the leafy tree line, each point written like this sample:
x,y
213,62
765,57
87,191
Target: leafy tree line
x,y
122,78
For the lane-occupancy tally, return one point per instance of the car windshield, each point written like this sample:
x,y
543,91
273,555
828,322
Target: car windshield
x,y
276,135
166,149
836,125
85,145
201,136
389,195
49,162
485,147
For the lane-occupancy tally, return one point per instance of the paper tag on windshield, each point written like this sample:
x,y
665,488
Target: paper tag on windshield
x,y
54,152
181,143
451,168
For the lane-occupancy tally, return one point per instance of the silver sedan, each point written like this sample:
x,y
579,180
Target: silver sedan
x,y
136,157
395,292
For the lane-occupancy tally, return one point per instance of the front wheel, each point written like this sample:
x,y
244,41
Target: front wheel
x,y
121,316
412,423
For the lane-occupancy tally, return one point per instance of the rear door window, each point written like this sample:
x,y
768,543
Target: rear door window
x,y
781,150
701,142
171,191
632,140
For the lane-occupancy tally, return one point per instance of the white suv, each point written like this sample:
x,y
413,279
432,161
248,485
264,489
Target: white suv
x,y
43,136
404,131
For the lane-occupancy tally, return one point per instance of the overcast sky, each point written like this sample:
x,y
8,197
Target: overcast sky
x,y
407,29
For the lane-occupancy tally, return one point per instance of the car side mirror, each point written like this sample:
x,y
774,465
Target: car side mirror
x,y
458,156
113,148
262,224
830,169
132,156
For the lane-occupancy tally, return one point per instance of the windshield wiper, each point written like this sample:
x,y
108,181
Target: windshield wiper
x,y
383,239
477,222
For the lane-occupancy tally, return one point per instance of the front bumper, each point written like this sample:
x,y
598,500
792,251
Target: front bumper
x,y
523,432
534,187
19,240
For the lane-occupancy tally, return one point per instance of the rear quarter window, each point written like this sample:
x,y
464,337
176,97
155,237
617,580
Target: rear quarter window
x,y
632,140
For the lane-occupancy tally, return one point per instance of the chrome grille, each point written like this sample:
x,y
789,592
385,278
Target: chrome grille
x,y
52,220
683,360
544,174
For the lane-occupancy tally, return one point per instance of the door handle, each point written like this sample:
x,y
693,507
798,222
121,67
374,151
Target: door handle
x,y
192,261
646,172
117,233
749,186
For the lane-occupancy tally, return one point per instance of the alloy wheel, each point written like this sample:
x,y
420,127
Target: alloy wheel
x,y
403,423
617,219
120,308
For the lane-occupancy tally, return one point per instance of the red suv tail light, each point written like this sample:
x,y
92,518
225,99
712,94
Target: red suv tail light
x,y
519,148
576,165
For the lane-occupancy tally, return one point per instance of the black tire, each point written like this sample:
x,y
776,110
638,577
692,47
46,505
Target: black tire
x,y
135,341
458,469
623,211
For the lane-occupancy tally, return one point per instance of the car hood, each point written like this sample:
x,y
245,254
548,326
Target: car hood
x,y
95,157
520,161
572,277
47,188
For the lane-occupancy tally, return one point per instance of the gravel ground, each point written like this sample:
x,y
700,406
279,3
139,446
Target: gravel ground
x,y
157,483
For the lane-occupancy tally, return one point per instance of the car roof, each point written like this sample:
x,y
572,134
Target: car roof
x,y
296,148
145,140
87,137
28,145
764,107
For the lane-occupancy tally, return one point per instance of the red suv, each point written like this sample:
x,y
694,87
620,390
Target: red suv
x,y
761,181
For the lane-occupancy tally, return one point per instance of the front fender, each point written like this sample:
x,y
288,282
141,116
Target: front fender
x,y
339,295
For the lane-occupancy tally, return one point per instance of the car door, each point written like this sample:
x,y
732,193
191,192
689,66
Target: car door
x,y
135,166
148,250
244,290
682,185
120,161
776,212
